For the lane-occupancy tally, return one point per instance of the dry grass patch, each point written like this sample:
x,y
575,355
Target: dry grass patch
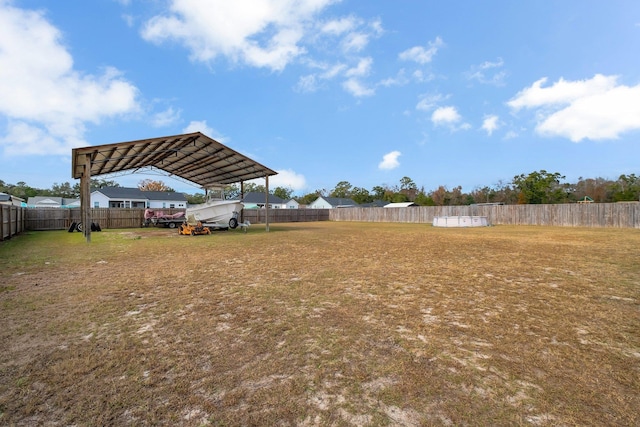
x,y
314,324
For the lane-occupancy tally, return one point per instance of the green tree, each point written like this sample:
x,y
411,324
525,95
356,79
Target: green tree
x,y
399,198
231,191
309,198
283,193
64,190
540,187
408,188
379,192
252,187
195,199
423,199
627,188
361,195
22,190
342,189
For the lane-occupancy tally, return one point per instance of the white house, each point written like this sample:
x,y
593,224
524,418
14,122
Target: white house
x,y
256,200
292,204
332,203
123,197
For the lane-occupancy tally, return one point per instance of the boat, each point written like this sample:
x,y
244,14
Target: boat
x,y
216,210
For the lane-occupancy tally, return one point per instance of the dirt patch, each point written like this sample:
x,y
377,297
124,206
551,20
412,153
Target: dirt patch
x,y
322,324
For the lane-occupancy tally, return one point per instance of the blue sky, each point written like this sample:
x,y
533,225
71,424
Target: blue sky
x,y
449,93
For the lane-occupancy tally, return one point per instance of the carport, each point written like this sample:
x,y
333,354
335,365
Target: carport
x,y
193,157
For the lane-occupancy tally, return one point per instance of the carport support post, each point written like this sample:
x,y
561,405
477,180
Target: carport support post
x,y
242,199
85,198
266,202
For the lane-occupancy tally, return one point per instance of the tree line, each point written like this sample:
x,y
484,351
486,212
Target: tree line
x,y
538,187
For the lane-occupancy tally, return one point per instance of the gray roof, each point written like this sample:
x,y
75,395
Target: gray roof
x,y
165,195
340,201
4,197
136,193
121,192
258,198
60,201
375,204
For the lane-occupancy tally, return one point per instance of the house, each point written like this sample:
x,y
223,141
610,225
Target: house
x,y
124,197
332,203
399,205
8,199
52,202
256,200
292,204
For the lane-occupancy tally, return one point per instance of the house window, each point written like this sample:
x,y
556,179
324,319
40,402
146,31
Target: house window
x,y
172,205
96,204
164,205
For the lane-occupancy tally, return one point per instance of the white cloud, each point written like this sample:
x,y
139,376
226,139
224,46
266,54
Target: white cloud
x,y
356,88
355,42
399,80
307,84
266,34
362,69
597,108
488,73
128,19
390,161
421,55
201,126
46,102
449,117
339,26
429,102
490,124
166,117
446,116
287,178
334,71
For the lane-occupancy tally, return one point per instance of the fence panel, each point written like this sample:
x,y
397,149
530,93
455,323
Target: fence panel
x,y
258,216
61,219
11,221
618,215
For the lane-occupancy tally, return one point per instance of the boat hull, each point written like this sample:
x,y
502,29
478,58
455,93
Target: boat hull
x,y
219,211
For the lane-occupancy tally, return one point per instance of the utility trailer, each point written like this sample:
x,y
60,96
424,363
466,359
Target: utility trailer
x,y
160,219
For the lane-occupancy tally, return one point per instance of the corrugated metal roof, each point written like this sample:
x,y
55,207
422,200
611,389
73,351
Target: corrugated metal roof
x,y
194,157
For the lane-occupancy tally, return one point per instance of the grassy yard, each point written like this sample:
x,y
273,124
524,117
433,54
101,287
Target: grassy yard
x,y
316,324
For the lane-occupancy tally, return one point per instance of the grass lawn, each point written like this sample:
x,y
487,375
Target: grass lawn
x,y
316,324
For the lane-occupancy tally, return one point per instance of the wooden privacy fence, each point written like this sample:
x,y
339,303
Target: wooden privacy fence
x,y
257,216
12,221
619,215
61,219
